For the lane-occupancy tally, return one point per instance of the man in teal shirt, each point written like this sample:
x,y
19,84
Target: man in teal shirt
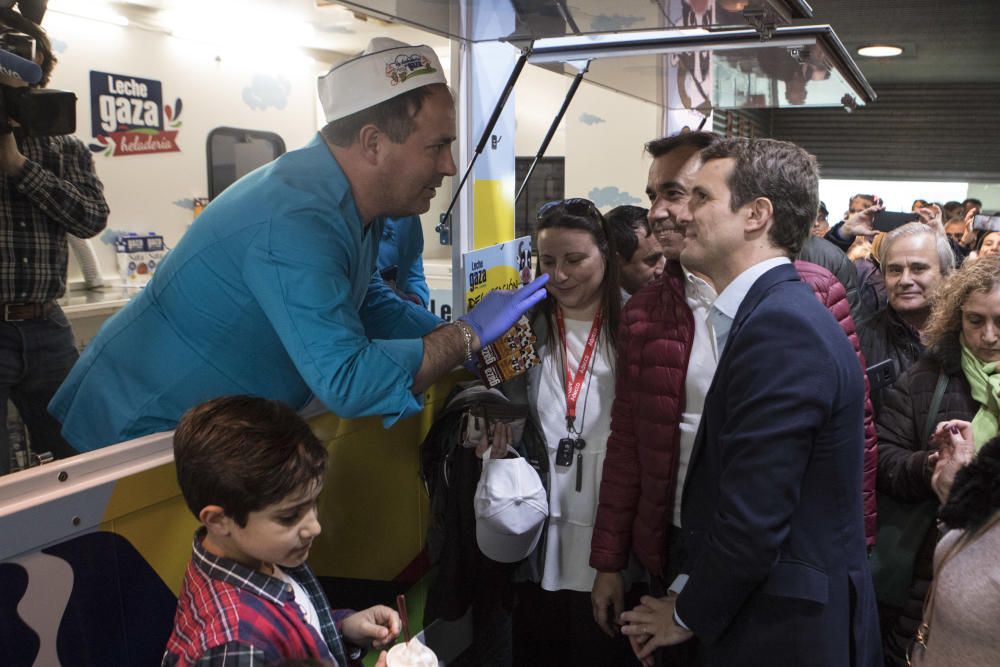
x,y
273,291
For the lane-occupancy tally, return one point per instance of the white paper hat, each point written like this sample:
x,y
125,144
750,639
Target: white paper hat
x,y
511,507
385,69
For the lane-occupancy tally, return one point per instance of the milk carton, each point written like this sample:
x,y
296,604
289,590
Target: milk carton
x,y
138,257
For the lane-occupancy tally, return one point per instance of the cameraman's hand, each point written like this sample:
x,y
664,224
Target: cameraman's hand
x,y
969,237
931,216
11,159
860,224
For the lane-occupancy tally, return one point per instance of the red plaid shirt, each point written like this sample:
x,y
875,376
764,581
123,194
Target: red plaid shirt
x,y
231,616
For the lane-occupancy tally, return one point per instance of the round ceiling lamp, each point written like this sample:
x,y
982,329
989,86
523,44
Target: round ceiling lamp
x,y
880,51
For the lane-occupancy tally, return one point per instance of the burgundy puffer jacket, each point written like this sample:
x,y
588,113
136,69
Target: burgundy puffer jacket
x,y
833,295
638,485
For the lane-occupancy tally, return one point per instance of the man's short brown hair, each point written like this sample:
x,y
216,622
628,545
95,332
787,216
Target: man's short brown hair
x,y
780,171
244,453
696,140
395,116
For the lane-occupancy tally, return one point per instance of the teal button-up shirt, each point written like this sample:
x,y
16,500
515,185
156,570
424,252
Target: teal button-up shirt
x,y
271,292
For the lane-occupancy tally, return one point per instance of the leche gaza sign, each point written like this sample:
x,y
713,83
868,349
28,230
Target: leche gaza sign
x,y
128,117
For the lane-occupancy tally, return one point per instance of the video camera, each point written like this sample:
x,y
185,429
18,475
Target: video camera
x,y
38,111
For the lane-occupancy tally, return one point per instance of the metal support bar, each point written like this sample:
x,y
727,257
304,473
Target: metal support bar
x,y
444,226
552,127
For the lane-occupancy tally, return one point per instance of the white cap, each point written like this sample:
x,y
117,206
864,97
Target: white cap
x,y
385,69
511,507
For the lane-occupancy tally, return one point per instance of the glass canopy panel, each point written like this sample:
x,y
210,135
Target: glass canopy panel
x,y
799,67
518,20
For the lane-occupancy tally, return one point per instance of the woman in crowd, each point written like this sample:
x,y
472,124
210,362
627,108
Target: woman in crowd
x,y
955,379
988,244
963,604
570,395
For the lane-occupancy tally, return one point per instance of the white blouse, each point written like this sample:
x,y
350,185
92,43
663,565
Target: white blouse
x,y
572,512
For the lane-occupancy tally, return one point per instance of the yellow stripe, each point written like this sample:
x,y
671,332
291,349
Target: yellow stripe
x,y
493,211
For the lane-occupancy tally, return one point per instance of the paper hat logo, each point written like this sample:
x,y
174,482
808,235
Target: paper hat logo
x,y
407,66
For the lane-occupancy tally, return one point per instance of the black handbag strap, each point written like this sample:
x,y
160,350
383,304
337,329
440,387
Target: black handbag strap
x,y
942,382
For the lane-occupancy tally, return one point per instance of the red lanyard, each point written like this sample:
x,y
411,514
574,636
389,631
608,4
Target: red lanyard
x,y
575,384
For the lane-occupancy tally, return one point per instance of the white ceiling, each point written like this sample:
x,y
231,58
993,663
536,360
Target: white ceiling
x,y
334,30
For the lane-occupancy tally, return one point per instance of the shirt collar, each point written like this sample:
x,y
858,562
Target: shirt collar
x,y
729,301
697,287
235,574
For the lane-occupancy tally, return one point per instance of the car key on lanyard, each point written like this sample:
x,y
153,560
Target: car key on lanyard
x,y
573,442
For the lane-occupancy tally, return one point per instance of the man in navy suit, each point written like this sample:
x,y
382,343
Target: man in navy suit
x,y
775,570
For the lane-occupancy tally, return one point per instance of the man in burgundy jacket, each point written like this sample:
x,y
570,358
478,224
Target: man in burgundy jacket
x,y
665,367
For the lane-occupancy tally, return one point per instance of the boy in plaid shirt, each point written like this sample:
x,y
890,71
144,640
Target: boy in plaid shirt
x,y
251,470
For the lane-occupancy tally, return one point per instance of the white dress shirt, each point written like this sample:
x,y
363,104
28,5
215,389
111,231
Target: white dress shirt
x,y
702,361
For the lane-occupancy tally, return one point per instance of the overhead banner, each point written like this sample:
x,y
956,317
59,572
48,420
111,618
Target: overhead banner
x,y
128,116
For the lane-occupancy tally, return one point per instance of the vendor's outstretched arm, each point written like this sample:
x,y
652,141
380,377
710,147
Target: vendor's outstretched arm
x,y
444,349
448,346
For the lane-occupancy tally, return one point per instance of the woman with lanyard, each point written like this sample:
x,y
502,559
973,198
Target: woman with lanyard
x,y
570,395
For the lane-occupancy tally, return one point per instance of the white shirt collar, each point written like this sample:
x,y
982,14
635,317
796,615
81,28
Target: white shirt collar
x,y
697,287
729,301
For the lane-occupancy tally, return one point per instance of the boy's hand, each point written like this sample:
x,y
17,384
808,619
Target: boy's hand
x,y
377,626
383,660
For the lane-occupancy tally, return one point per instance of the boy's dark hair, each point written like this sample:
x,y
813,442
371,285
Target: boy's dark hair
x,y
244,453
624,223
780,171
395,116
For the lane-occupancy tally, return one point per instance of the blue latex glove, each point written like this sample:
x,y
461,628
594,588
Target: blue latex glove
x,y
500,309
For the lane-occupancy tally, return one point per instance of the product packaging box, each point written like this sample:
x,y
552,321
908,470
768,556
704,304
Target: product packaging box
x,y
508,356
138,257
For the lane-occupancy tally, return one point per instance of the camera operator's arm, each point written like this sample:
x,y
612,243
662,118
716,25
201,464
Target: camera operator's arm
x,y
72,198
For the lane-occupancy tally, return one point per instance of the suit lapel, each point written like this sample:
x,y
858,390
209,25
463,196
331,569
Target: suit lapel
x,y
763,285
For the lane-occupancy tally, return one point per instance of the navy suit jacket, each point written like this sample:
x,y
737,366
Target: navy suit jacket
x,y
772,519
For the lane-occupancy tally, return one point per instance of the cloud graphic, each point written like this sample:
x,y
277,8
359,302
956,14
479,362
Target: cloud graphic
x,y
267,91
185,203
605,23
59,45
611,196
336,30
110,236
590,119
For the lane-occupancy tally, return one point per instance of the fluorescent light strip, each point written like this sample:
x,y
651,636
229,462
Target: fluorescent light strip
x,y
89,11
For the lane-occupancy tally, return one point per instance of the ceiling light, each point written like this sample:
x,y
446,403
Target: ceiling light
x,y
880,51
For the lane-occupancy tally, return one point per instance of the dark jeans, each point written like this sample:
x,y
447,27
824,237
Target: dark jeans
x,y
35,357
558,628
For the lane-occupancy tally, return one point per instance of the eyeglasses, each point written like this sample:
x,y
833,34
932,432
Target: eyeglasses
x,y
573,206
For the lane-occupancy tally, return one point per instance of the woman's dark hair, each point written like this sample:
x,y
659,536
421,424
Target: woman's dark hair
x,y
583,215
980,238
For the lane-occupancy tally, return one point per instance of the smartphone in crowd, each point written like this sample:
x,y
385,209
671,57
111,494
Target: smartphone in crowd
x,y
987,223
886,221
883,374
